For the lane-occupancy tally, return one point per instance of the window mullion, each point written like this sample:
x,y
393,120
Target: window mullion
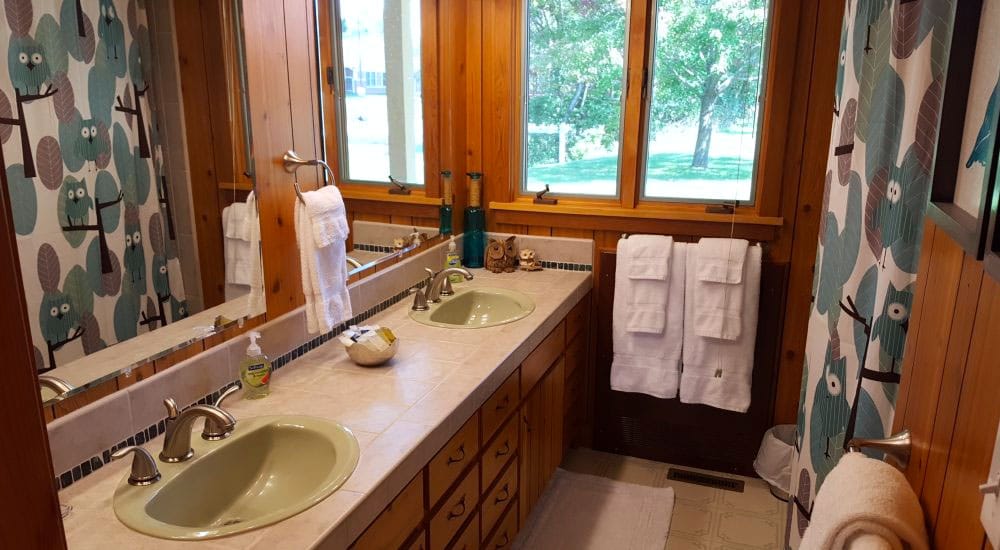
x,y
635,108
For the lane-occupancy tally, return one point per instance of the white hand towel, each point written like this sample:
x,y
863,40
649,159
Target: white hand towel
x,y
649,256
255,299
329,216
718,290
648,362
324,270
237,253
719,372
235,221
865,496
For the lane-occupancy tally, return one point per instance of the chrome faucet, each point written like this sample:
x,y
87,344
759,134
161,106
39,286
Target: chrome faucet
x,y
177,440
54,383
214,430
437,282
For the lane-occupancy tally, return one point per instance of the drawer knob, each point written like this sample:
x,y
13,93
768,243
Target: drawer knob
x,y
503,451
460,457
503,403
458,510
503,542
504,495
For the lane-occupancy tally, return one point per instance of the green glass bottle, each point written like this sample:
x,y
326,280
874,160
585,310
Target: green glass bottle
x,y
474,240
446,201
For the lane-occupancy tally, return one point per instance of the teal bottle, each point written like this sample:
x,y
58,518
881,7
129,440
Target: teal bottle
x,y
474,240
446,201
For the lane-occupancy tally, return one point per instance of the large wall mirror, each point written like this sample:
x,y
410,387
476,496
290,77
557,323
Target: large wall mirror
x,y
125,142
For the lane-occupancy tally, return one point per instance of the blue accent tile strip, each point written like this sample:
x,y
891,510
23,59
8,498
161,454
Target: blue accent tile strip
x,y
374,247
93,464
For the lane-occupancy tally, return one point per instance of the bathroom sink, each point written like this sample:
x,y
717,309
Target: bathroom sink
x,y
477,308
270,469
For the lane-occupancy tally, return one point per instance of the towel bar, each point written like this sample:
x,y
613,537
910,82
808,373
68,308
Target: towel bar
x,y
896,447
292,162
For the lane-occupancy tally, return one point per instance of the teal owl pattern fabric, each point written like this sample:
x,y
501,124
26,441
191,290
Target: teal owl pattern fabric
x,y
84,171
889,87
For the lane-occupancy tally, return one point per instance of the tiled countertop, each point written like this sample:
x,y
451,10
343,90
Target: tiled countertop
x,y
401,413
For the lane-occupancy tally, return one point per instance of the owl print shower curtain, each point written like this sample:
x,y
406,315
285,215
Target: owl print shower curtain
x,y
893,61
82,161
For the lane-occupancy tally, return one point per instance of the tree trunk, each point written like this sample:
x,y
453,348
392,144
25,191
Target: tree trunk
x,y
703,143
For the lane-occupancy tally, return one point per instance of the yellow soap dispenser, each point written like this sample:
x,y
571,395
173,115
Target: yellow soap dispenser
x,y
255,371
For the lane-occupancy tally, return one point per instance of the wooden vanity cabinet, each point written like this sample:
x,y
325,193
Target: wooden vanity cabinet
x,y
481,485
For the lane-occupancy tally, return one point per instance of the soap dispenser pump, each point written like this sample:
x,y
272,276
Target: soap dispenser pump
x,y
255,370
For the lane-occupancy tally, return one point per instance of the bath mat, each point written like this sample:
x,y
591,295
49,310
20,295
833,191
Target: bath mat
x,y
579,511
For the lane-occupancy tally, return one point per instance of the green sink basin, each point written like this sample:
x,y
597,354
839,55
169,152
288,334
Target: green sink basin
x,y
477,308
270,469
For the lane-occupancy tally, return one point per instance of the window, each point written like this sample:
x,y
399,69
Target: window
x,y
704,110
694,126
379,100
575,68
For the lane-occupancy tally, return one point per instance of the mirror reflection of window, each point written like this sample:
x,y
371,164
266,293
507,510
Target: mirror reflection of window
x,y
379,112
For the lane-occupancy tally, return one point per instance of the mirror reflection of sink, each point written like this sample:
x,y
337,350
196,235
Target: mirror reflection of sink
x,y
270,469
477,308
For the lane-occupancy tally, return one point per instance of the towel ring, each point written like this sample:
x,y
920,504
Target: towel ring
x,y
292,162
896,448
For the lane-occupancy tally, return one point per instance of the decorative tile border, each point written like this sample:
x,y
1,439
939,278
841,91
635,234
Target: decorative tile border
x,y
95,463
374,247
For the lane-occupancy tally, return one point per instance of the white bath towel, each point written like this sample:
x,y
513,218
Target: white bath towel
x,y
718,289
238,255
324,269
255,299
326,209
865,496
719,372
648,362
646,263
649,256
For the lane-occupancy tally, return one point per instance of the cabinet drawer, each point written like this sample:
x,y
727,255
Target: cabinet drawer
x,y
419,542
456,454
503,538
391,528
469,538
498,452
455,508
576,355
577,320
499,406
538,363
503,493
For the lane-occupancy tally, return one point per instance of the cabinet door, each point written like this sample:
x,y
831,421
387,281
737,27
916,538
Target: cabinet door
x,y
553,438
530,455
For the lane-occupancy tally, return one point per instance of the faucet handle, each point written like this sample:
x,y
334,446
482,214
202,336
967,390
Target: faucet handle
x,y
419,300
214,430
144,471
446,289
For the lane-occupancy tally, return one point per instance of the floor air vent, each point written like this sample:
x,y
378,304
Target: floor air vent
x,y
698,478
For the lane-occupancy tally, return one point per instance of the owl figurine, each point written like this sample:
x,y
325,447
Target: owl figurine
x,y
134,258
111,31
161,278
528,260
500,255
57,317
88,145
79,203
27,65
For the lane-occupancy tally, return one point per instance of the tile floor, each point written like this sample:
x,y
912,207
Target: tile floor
x,y
704,518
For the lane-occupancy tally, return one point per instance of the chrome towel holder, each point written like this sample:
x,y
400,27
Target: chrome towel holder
x,y
292,162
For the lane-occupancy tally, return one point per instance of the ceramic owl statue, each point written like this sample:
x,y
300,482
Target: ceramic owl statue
x,y
528,260
501,256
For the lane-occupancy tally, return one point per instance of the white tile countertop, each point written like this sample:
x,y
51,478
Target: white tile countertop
x,y
402,413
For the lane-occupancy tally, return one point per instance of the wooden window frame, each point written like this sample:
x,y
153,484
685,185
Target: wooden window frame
x,y
774,130
430,192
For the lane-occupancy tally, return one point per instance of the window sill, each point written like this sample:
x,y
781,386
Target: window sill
x,y
677,220
381,194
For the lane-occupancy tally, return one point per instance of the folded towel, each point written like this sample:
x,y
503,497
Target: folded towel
x,y
645,361
255,299
328,214
324,268
649,256
719,372
864,496
718,289
871,541
238,254
236,221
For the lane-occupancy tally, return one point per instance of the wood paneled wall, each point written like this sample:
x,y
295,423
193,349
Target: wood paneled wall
x,y
948,395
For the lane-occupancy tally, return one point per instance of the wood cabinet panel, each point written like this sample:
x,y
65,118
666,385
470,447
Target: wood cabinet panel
x,y
452,459
578,318
395,524
576,354
498,452
468,539
499,497
458,506
503,538
419,542
541,437
535,366
501,404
